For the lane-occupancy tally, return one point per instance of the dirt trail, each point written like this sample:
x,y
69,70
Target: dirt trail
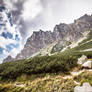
x,y
68,77
19,85
74,74
77,73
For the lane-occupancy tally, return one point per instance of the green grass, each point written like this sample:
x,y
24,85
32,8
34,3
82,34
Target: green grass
x,y
37,65
10,88
84,46
84,77
28,70
44,84
52,85
86,43
89,37
62,62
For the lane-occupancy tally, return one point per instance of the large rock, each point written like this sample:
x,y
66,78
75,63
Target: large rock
x,y
84,62
82,59
9,58
87,64
85,88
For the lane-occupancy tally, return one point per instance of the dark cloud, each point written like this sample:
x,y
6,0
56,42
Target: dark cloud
x,y
16,16
52,13
1,1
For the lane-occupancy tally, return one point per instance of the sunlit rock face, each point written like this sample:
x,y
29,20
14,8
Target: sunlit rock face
x,y
63,34
10,38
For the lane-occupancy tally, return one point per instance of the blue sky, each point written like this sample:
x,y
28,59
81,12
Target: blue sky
x,y
1,50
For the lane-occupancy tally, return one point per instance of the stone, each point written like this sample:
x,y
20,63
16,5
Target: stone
x,y
85,88
82,59
87,64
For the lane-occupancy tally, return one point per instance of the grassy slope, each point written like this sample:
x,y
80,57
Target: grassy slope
x,y
85,44
84,77
45,84
34,67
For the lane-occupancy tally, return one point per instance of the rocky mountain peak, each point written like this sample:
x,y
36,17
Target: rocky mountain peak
x,y
9,58
85,18
61,34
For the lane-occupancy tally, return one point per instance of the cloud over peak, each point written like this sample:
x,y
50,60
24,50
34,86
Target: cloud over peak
x,y
31,8
32,15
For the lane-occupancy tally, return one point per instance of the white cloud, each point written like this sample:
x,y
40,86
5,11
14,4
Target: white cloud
x,y
52,12
8,36
31,9
10,4
4,55
15,51
7,28
4,42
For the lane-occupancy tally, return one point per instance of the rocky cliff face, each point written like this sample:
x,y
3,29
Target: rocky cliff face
x,y
9,58
35,43
62,33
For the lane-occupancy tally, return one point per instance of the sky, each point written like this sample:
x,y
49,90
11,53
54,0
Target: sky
x,y
45,14
32,15
10,37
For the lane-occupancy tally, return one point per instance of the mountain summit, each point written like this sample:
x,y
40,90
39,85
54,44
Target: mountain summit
x,y
63,34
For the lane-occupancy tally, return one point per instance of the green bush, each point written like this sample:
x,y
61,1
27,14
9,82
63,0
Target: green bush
x,y
84,77
36,65
61,62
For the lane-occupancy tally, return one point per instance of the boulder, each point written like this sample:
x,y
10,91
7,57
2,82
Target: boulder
x,y
85,88
87,64
82,59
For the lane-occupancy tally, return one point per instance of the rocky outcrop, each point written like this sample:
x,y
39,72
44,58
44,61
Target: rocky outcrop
x,y
9,58
62,33
35,43
84,62
85,88
82,59
87,64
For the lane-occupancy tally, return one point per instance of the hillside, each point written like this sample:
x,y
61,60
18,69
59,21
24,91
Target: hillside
x,y
52,67
45,46
62,34
62,61
47,82
54,72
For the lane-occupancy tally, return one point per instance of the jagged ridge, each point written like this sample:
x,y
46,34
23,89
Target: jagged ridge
x,y
62,33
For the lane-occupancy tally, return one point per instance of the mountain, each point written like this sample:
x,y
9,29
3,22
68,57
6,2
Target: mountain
x,y
58,72
63,35
9,58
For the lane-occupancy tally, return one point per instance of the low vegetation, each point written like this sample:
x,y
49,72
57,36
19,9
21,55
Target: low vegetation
x,y
88,38
42,72
38,65
49,83
84,77
62,62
